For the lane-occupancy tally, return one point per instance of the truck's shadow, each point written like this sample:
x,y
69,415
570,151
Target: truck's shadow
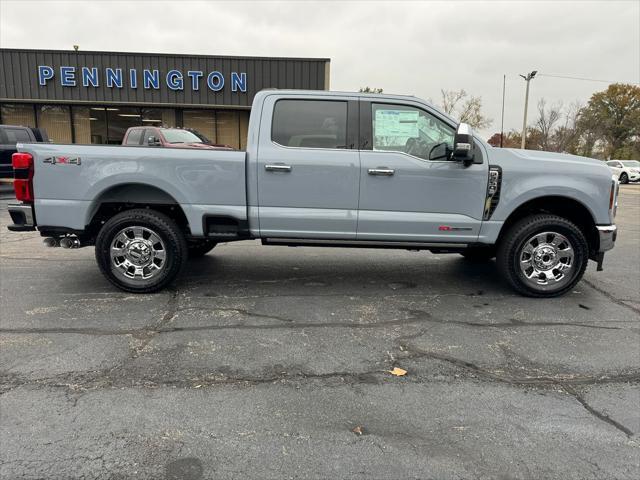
x,y
349,271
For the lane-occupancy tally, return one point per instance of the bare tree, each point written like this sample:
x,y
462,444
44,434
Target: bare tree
x,y
370,90
467,108
546,122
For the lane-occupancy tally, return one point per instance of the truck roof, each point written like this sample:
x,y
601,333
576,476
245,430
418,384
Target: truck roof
x,y
329,93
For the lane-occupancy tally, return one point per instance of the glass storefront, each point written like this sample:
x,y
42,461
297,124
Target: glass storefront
x,y
18,114
107,125
55,120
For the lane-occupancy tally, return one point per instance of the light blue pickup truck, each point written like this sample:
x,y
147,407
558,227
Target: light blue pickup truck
x,y
324,169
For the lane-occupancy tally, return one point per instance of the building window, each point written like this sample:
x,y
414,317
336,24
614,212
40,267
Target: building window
x,y
119,120
159,117
18,114
244,128
81,117
228,128
56,120
203,121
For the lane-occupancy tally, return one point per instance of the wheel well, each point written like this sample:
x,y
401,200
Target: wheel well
x,y
135,195
564,207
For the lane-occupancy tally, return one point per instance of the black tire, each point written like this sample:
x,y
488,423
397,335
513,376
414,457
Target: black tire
x,y
171,246
511,251
199,248
479,254
624,178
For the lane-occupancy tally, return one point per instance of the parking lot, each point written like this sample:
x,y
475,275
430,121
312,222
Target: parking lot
x,y
273,362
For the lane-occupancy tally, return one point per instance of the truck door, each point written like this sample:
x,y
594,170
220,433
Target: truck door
x,y
410,191
308,167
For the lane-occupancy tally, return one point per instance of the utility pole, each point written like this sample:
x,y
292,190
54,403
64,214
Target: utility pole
x,y
504,83
527,78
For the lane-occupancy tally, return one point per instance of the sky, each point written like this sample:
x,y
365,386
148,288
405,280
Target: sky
x,y
405,47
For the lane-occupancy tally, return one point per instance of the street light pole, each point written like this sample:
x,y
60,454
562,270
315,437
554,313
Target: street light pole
x,y
504,83
527,78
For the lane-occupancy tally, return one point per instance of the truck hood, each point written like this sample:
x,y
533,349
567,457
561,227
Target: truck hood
x,y
539,155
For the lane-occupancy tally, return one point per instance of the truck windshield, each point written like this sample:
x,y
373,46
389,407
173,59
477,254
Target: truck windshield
x,y
631,163
179,136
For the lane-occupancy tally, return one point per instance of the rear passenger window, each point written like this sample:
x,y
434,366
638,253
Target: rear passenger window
x,y
16,135
134,137
310,123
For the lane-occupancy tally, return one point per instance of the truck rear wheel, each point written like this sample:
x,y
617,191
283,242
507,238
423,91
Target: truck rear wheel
x,y
543,255
141,251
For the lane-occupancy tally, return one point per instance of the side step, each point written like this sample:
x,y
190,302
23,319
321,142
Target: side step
x,y
303,242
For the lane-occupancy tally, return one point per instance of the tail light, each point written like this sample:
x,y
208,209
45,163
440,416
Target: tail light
x,y
23,176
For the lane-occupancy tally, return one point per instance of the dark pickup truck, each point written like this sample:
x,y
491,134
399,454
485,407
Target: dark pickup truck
x,y
10,135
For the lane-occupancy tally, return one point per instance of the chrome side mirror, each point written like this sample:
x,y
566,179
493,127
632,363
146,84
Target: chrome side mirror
x,y
463,144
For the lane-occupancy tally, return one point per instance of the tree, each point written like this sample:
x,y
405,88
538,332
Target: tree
x,y
545,124
370,90
613,116
467,108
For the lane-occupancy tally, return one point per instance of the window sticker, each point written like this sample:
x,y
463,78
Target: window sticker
x,y
396,123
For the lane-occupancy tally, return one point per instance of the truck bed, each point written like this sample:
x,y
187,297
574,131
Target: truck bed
x,y
70,181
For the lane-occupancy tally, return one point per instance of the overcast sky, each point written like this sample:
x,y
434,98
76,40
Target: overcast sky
x,y
413,47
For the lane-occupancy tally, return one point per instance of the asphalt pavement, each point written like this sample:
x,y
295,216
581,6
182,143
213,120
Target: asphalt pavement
x,y
274,362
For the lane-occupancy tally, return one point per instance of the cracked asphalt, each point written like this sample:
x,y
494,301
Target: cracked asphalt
x,y
272,362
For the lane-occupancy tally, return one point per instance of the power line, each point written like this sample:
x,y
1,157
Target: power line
x,y
582,78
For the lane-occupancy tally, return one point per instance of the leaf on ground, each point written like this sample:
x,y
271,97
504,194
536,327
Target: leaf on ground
x,y
398,372
359,430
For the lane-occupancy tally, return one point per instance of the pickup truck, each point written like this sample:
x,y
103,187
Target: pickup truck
x,y
168,137
324,169
10,136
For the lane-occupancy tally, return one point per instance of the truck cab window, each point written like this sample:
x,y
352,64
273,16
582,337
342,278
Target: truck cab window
x,y
403,128
310,123
135,136
16,135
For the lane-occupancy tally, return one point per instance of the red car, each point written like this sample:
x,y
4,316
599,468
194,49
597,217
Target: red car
x,y
168,137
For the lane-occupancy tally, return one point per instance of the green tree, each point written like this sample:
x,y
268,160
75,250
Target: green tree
x,y
613,117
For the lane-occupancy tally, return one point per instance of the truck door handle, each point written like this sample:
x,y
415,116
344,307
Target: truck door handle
x,y
382,171
277,168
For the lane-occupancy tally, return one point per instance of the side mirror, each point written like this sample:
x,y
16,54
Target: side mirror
x,y
154,142
463,145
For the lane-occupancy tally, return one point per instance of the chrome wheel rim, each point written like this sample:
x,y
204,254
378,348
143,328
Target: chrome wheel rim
x,y
547,259
138,253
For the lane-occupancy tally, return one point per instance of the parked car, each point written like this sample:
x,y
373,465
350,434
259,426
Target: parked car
x,y
168,137
324,169
10,135
626,170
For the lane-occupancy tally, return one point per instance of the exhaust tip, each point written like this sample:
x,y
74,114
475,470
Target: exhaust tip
x,y
50,242
70,242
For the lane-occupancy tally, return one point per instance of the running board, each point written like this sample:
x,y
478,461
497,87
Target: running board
x,y
303,242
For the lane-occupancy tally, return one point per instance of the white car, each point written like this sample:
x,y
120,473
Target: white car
x,y
626,170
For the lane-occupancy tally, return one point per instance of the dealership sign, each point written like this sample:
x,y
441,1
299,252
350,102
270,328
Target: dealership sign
x,y
149,79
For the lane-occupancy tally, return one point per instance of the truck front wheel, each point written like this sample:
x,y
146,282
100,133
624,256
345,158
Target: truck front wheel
x,y
543,255
141,251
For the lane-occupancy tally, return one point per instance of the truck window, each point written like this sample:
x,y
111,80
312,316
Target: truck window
x,y
134,136
149,132
17,135
403,128
310,123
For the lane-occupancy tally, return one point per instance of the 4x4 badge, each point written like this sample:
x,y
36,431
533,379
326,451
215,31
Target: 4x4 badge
x,y
63,160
